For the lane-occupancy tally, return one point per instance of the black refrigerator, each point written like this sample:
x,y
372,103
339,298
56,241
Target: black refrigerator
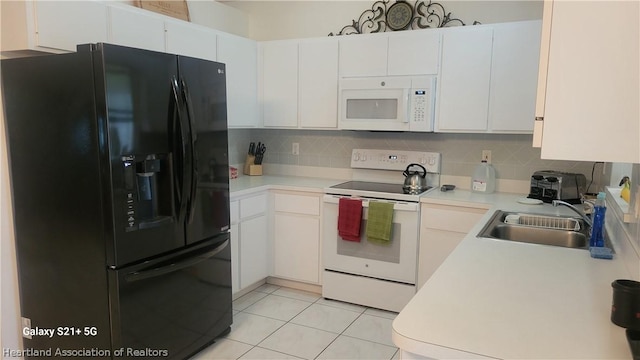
x,y
120,187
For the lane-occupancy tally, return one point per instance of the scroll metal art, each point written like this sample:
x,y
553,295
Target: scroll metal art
x,y
401,15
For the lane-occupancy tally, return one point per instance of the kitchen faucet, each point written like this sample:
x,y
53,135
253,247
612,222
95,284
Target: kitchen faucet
x,y
575,209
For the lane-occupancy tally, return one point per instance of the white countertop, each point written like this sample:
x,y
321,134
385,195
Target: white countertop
x,y
244,185
509,300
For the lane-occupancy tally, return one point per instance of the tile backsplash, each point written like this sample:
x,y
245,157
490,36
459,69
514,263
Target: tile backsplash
x,y
512,155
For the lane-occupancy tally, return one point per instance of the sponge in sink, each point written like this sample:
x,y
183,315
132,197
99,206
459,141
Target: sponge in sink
x,y
601,252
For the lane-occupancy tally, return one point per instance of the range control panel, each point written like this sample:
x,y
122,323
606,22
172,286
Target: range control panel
x,y
394,159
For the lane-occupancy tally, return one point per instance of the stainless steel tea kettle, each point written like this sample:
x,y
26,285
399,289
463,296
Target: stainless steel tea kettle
x,y
414,182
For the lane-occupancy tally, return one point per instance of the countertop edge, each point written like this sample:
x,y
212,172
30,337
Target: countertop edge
x,y
423,344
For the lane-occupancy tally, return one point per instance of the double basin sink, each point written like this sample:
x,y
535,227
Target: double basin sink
x,y
541,229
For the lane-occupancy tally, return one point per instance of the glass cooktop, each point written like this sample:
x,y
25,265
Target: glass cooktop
x,y
373,186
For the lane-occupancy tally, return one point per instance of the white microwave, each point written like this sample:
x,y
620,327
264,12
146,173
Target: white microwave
x,y
387,103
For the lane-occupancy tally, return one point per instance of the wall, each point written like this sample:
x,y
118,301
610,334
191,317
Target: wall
x,y
219,16
512,155
271,20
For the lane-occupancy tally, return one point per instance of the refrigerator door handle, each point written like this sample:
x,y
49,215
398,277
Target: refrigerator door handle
x,y
179,132
175,266
194,157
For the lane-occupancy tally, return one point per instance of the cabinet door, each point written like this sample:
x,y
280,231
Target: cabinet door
x,y
188,39
63,25
240,55
136,28
435,247
235,258
318,82
253,251
514,75
442,228
280,83
465,74
414,52
593,92
297,247
363,55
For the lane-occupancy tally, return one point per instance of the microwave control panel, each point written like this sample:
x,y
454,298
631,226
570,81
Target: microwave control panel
x,y
418,105
421,102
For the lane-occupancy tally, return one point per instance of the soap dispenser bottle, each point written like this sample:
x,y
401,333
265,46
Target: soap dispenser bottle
x,y
597,227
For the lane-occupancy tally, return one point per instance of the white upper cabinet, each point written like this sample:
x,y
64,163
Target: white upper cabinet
x,y
240,56
318,83
191,40
299,83
363,55
414,52
133,27
52,26
488,78
592,89
279,83
465,75
514,75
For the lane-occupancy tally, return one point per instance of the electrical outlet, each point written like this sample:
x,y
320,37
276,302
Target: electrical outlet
x,y
486,155
295,149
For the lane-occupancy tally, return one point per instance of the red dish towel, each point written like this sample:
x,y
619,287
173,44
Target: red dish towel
x,y
349,219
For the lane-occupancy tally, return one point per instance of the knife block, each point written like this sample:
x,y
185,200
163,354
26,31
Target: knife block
x,y
250,168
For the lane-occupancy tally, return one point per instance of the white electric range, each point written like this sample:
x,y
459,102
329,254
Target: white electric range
x,y
364,272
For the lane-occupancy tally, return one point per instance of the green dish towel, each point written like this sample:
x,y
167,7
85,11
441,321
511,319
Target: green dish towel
x,y
379,222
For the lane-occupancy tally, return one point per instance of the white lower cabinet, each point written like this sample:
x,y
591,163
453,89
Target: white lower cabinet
x,y
235,258
249,241
442,228
296,237
253,250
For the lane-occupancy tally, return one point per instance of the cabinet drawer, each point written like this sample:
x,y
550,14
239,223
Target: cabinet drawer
x,y
451,218
234,211
253,206
297,204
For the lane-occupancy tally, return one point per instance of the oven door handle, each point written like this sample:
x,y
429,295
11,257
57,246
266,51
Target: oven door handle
x,y
397,205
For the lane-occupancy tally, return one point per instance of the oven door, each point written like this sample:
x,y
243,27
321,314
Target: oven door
x,y
396,262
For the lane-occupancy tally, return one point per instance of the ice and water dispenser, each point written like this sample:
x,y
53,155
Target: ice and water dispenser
x,y
147,181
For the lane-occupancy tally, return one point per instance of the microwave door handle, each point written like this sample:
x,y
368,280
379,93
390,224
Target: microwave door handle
x,y
406,94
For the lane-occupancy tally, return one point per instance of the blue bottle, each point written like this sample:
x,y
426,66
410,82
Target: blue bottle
x,y
597,229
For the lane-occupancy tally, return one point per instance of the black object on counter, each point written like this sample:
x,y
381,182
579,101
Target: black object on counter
x,y
447,187
625,307
633,337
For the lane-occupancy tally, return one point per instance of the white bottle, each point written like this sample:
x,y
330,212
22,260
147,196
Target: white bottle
x,y
484,178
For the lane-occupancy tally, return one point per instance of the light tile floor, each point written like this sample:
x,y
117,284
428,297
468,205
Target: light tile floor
x,y
275,322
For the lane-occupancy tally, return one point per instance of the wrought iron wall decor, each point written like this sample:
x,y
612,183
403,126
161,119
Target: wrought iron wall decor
x,y
401,15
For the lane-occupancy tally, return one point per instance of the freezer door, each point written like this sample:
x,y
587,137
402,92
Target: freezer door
x,y
204,91
138,116
57,201
176,305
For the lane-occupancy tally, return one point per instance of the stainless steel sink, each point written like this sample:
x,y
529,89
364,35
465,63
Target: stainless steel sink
x,y
553,231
